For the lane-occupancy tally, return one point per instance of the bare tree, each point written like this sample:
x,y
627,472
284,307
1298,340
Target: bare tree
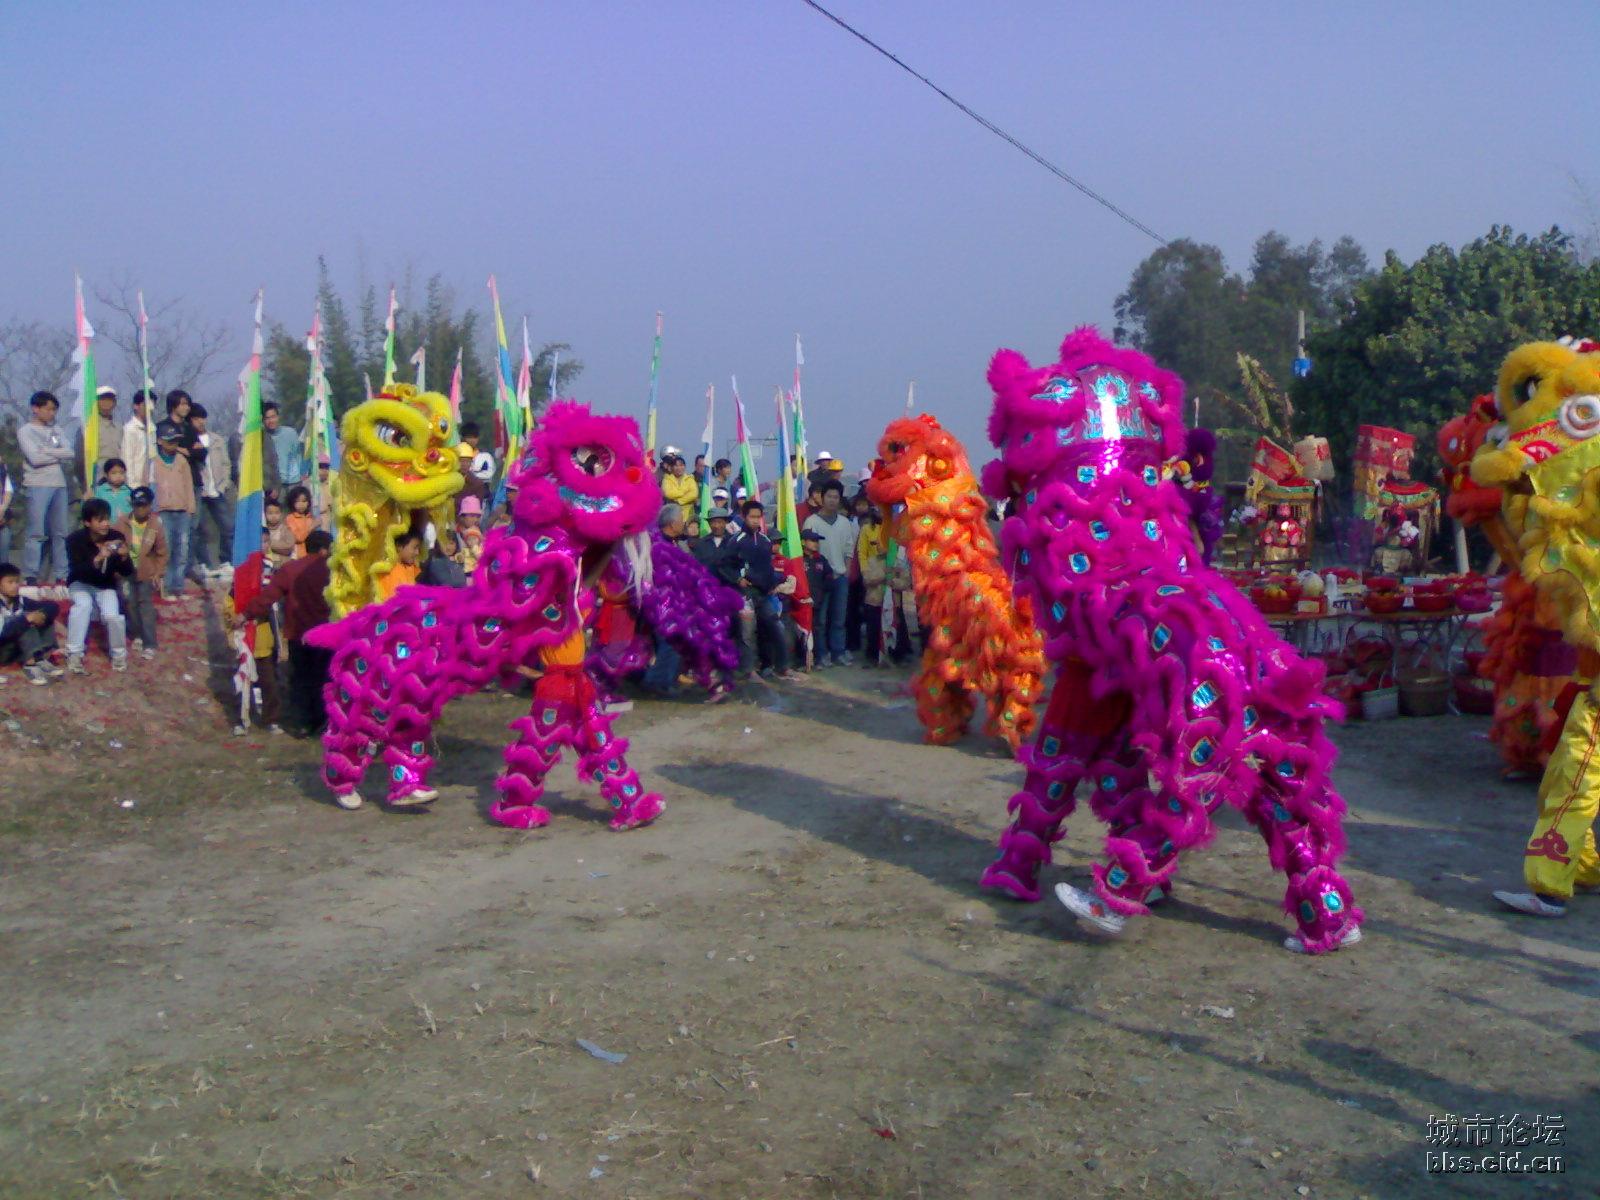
x,y
185,350
33,357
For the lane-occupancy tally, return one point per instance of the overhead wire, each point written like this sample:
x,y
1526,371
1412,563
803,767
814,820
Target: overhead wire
x,y
991,126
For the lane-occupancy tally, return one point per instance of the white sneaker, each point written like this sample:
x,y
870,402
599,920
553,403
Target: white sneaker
x,y
136,644
239,731
75,664
119,662
350,801
1349,937
617,706
1090,908
148,653
274,728
35,675
1534,906
421,795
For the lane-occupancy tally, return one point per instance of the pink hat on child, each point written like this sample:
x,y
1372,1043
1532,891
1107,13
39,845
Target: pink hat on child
x,y
470,506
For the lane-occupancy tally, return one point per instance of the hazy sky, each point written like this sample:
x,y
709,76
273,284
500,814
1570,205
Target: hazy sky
x,y
753,171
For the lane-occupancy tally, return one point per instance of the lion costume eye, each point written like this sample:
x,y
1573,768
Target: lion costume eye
x,y
1579,417
391,435
592,460
1530,389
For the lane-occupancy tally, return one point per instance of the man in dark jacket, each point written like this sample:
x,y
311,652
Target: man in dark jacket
x,y
300,586
716,551
97,561
760,581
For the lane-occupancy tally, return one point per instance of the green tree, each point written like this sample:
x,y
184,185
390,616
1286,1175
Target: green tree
x,y
352,352
1421,340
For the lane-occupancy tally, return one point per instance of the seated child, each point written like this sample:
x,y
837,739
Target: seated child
x,y
27,629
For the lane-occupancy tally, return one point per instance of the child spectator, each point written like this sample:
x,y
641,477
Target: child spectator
x,y
96,560
301,586
443,568
114,489
469,533
27,629
299,519
260,636
873,568
818,576
280,538
408,552
147,547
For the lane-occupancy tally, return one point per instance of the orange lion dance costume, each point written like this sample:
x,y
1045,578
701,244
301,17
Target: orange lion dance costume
x,y
980,637
1526,659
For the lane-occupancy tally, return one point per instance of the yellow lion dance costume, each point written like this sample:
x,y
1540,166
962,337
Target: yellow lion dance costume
x,y
980,637
1548,463
397,474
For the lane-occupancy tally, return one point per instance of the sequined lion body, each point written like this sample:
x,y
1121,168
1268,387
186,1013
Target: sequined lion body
x,y
980,638
397,473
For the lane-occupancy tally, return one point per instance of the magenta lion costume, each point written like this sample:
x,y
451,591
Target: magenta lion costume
x,y
687,606
582,487
1172,694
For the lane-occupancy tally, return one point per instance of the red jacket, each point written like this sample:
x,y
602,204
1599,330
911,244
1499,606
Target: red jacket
x,y
300,585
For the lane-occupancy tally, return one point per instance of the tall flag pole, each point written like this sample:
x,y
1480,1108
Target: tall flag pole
x,y
149,386
655,370
788,519
388,342
455,400
419,360
799,407
705,451
84,378
248,519
746,463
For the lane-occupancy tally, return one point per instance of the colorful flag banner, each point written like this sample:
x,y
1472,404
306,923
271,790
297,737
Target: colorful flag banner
x,y
705,450
788,518
746,463
388,342
87,385
525,382
655,370
505,405
248,519
311,436
799,409
149,387
455,400
555,372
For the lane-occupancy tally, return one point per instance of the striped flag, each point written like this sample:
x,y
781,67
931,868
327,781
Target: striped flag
x,y
705,450
655,371
746,463
87,385
505,406
788,519
388,342
525,382
248,519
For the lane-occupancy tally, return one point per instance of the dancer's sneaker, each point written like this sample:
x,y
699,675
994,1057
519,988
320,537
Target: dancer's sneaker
x,y
349,801
1088,907
1533,904
416,796
1349,937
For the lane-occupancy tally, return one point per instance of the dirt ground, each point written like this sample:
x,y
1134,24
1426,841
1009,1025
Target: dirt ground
x,y
217,984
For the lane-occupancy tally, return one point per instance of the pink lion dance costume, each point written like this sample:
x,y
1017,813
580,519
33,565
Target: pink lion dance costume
x,y
582,487
1172,695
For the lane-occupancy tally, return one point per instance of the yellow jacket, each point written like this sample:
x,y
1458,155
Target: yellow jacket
x,y
681,490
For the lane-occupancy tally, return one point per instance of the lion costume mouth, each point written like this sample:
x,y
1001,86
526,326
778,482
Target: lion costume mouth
x,y
590,504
